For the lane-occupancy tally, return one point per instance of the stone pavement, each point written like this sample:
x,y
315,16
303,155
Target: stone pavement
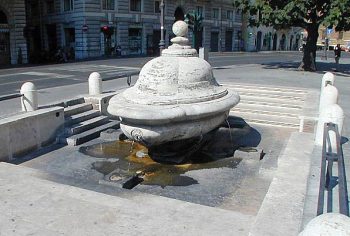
x,y
33,205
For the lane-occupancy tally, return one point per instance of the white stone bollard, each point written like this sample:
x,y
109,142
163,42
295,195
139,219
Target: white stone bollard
x,y
29,99
329,96
335,114
203,53
330,224
95,83
327,79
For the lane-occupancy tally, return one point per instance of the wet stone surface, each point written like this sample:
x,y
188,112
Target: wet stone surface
x,y
128,158
228,173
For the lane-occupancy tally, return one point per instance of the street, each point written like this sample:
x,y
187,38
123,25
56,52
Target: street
x,y
55,75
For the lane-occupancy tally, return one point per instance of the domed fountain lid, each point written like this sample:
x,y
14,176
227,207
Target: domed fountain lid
x,y
178,81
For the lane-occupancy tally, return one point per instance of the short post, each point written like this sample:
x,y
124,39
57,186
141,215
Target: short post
x,y
327,79
331,224
332,113
95,84
29,99
329,96
203,53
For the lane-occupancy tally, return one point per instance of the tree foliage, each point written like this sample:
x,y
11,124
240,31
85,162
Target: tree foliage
x,y
195,24
298,13
307,14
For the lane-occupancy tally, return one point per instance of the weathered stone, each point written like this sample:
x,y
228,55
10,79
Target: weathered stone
x,y
111,134
331,224
175,98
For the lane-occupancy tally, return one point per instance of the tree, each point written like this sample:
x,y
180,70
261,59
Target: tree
x,y
195,24
307,14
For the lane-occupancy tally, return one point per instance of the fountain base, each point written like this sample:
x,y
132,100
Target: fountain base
x,y
178,152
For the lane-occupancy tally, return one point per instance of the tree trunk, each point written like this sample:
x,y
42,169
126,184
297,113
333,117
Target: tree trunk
x,y
309,57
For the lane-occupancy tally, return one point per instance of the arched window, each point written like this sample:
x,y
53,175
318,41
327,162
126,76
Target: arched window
x,y
3,18
179,14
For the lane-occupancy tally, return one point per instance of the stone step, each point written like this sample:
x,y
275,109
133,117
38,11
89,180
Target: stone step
x,y
74,119
67,103
76,109
267,120
269,104
267,108
300,98
88,135
86,125
275,100
264,89
73,102
76,211
267,112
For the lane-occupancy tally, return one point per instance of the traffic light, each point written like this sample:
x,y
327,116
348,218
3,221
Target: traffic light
x,y
108,30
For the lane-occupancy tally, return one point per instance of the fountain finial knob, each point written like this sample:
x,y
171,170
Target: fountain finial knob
x,y
180,28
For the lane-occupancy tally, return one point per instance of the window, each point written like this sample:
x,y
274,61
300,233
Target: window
x,y
230,15
34,9
199,10
156,6
68,5
50,6
238,16
3,18
135,5
108,4
215,13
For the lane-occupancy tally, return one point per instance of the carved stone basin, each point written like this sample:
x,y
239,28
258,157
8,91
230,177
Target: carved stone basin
x,y
176,97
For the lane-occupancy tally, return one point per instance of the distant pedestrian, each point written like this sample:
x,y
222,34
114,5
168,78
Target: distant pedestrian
x,y
337,53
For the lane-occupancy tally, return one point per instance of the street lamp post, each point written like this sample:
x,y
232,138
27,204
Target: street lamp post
x,y
162,42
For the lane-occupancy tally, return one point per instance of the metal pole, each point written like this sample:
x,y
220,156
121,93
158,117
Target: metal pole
x,y
162,42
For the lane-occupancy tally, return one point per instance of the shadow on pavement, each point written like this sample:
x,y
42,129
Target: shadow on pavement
x,y
322,67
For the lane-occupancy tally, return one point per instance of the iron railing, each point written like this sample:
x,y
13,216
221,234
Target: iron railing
x,y
327,180
121,75
10,96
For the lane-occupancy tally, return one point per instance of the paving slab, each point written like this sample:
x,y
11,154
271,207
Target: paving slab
x,y
281,212
48,207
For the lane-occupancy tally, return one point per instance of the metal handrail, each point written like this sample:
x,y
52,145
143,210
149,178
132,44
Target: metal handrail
x,y
328,158
10,96
122,75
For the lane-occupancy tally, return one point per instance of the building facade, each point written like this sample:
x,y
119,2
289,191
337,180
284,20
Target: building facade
x,y
333,37
13,47
38,29
264,38
93,28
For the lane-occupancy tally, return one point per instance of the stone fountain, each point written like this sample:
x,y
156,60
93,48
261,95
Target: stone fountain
x,y
175,102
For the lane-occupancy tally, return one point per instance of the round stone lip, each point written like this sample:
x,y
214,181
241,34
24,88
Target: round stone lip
x,y
150,135
164,114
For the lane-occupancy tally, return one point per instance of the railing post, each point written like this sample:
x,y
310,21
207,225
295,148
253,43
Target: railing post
x,y
203,53
29,99
327,79
95,84
329,96
335,114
